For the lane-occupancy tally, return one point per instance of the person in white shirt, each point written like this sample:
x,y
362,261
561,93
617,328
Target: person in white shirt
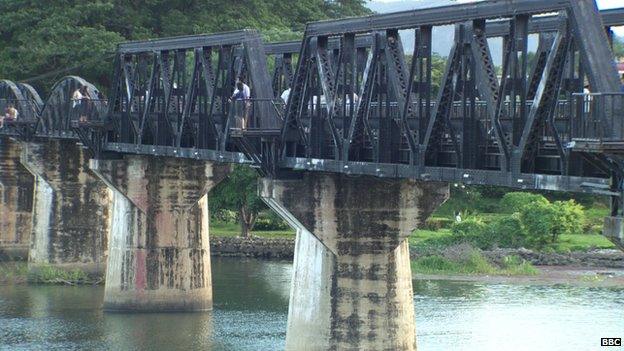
x,y
80,100
587,99
285,95
241,97
76,97
242,92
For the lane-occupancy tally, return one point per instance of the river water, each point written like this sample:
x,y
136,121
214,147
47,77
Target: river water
x,y
251,308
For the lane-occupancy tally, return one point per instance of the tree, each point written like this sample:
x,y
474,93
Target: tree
x,y
239,193
618,47
54,38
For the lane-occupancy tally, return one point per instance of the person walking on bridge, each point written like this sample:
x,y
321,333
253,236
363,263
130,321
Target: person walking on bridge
x,y
241,97
80,102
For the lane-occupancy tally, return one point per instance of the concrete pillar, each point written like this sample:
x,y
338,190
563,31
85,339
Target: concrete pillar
x,y
16,192
71,208
352,282
613,229
159,249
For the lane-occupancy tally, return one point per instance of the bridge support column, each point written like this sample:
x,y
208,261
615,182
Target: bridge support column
x,y
352,282
613,229
159,249
16,192
70,209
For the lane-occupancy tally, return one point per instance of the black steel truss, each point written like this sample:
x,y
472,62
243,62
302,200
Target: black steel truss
x,y
174,92
514,121
359,104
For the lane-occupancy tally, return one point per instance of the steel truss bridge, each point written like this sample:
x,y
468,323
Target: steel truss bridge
x,y
360,105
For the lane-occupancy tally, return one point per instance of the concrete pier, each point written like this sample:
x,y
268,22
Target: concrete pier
x,y
16,193
613,229
159,249
352,282
71,216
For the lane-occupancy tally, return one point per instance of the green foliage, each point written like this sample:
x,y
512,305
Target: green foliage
x,y
270,221
52,275
39,37
224,215
515,265
581,242
13,272
546,222
618,47
515,201
507,231
540,221
238,190
474,263
437,223
233,229
493,192
468,228
570,217
239,193
473,230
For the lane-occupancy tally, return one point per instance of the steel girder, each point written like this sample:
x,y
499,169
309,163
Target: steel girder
x,y
174,92
360,105
515,121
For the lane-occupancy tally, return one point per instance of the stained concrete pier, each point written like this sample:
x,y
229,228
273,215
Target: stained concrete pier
x,y
16,193
159,249
352,282
71,209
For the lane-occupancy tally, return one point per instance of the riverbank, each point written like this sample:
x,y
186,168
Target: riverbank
x,y
283,248
458,262
548,275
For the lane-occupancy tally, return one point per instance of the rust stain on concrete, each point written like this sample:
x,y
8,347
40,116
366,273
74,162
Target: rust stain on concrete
x,y
16,191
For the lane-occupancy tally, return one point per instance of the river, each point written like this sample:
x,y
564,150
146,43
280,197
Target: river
x,y
251,308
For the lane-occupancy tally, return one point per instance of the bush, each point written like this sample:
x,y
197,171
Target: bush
x,y
570,218
508,232
270,221
540,221
545,222
437,223
516,201
225,216
469,227
472,230
493,192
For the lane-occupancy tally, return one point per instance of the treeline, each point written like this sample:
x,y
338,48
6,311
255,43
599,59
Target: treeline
x,y
47,40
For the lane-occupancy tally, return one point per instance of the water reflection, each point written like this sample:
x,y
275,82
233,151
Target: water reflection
x,y
251,306
515,317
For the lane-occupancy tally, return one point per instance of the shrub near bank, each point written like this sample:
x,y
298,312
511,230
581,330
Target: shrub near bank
x,y
531,221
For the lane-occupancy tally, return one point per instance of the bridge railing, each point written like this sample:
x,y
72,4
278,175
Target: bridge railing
x,y
245,114
87,111
597,117
23,108
17,117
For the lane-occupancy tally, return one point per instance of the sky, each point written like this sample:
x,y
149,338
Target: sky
x,y
602,4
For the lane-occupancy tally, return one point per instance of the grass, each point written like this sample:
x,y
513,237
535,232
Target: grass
x,y
233,229
474,264
52,275
581,242
13,272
